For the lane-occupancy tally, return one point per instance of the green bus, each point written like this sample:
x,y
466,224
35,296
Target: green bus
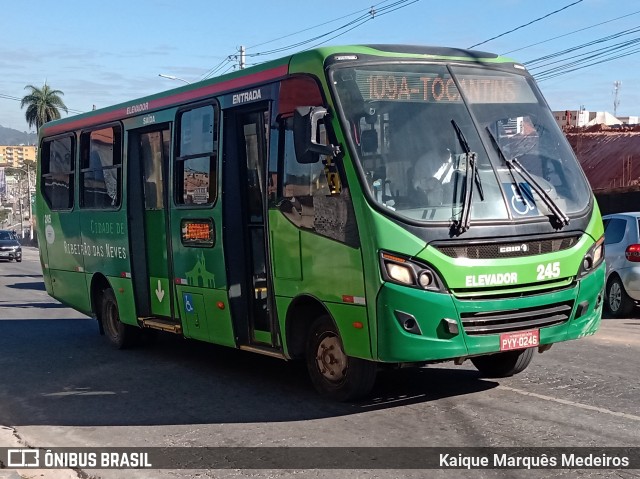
x,y
356,207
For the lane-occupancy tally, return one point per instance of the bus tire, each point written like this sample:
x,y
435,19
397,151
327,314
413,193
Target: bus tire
x,y
334,374
505,364
619,304
120,335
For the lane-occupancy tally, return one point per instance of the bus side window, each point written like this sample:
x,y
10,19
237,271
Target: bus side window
x,y
306,196
302,190
58,172
101,168
301,182
197,156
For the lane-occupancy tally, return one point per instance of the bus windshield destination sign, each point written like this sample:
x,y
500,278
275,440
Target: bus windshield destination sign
x,y
430,88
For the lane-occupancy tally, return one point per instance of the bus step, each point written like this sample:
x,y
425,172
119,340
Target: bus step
x,y
162,325
274,353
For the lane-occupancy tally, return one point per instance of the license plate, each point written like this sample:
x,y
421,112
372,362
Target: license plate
x,y
3,255
519,340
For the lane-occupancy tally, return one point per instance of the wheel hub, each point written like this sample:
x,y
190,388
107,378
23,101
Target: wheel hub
x,y
615,297
111,320
330,359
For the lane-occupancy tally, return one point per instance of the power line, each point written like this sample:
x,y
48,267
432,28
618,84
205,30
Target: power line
x,y
563,62
365,16
9,97
527,24
593,57
217,68
370,15
233,56
566,51
601,52
403,5
543,76
561,66
570,33
598,52
318,25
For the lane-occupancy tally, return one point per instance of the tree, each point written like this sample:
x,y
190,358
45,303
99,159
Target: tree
x,y
43,105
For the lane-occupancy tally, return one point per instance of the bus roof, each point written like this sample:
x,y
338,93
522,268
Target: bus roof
x,y
269,71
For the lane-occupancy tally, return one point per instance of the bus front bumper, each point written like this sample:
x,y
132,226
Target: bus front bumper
x,y
417,326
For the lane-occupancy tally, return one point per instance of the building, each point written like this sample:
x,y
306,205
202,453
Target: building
x,y
629,120
15,156
583,118
572,118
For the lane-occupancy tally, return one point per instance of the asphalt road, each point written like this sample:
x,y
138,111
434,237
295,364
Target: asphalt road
x,y
61,384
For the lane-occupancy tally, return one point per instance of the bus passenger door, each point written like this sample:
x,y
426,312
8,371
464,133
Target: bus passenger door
x,y
148,163
245,236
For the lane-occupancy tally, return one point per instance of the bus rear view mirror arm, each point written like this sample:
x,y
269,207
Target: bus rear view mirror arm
x,y
305,133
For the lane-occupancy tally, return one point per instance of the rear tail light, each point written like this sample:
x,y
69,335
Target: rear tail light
x,y
632,253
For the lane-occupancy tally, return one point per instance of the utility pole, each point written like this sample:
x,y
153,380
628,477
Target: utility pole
x,y
241,59
31,224
616,88
21,219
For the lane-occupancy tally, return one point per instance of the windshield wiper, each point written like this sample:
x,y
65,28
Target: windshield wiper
x,y
515,166
471,177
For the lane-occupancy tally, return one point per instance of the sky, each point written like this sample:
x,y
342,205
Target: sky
x,y
104,53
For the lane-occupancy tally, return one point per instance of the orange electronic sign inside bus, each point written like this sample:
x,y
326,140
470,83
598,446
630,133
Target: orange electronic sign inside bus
x,y
197,232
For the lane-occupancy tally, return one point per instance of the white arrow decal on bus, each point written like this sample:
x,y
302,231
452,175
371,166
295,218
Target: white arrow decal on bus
x,y
159,292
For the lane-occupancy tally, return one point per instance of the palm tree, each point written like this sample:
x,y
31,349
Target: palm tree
x,y
43,105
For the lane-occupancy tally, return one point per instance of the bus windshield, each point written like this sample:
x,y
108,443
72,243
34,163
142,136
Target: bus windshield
x,y
416,135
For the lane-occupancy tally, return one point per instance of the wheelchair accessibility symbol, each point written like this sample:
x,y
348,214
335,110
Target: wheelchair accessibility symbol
x,y
522,201
188,302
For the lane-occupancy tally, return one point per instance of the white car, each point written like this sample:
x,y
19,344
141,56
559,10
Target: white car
x,y
622,255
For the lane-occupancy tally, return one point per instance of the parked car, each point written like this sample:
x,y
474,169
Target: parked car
x,y
10,246
622,255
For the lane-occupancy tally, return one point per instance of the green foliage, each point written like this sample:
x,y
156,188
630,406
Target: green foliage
x,y
43,105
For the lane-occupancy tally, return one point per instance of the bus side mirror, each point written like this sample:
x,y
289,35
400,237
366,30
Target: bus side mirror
x,y
305,134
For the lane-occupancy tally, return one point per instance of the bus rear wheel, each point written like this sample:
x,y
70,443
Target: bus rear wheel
x,y
505,364
120,335
333,373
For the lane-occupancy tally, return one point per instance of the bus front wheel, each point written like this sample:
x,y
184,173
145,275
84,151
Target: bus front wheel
x,y
502,365
333,373
120,335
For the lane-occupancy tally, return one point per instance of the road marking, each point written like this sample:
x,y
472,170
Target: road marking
x,y
572,403
80,393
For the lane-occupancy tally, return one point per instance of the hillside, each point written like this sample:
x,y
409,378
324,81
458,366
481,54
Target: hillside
x,y
9,136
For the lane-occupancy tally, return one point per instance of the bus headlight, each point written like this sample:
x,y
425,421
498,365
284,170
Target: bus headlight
x,y
593,258
401,270
400,273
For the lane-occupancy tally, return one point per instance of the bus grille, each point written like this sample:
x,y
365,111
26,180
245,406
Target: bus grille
x,y
510,249
494,322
